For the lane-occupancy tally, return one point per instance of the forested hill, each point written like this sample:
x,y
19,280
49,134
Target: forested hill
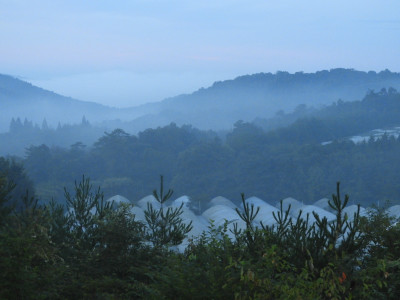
x,y
217,107
20,99
262,95
271,165
338,120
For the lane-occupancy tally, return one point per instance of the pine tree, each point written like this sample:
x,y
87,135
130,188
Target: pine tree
x,y
44,125
165,226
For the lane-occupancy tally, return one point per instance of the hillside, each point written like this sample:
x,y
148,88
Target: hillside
x,y
216,107
263,95
20,99
285,162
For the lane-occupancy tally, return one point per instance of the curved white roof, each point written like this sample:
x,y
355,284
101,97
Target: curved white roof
x,y
220,213
265,213
257,202
138,212
149,199
352,209
323,203
199,223
294,204
219,200
309,209
394,211
118,199
183,199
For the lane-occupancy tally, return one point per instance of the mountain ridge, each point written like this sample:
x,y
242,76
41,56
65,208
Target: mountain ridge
x,y
217,107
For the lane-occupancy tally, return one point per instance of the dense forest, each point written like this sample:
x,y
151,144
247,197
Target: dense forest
x,y
61,238
271,164
93,249
261,96
23,134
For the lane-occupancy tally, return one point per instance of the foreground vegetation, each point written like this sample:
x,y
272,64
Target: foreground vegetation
x,y
94,249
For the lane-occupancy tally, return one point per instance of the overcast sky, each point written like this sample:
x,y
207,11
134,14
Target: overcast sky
x,y
125,53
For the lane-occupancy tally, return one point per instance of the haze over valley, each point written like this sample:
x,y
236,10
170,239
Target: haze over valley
x,y
199,149
216,107
124,150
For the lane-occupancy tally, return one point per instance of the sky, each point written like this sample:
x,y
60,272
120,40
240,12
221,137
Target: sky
x,y
129,52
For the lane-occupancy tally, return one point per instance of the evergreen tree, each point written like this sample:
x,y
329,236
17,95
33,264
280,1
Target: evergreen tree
x,y
44,125
165,226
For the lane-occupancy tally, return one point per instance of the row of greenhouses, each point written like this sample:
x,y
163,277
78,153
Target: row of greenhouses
x,y
221,210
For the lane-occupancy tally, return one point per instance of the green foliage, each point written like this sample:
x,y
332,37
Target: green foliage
x,y
93,250
299,259
248,216
15,182
85,208
30,262
5,189
165,227
289,160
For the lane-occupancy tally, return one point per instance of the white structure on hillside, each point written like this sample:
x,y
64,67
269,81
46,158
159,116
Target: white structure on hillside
x,y
294,204
352,209
149,199
394,211
323,203
265,214
185,200
219,200
139,213
218,214
221,210
118,200
309,209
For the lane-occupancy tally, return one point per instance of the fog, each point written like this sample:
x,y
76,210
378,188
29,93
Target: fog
x,y
120,88
216,107
144,51
240,111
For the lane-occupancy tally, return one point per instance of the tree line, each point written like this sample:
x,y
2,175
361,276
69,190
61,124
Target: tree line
x,y
271,164
204,167
91,248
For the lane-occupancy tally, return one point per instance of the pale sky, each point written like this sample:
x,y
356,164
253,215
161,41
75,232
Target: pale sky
x,y
125,53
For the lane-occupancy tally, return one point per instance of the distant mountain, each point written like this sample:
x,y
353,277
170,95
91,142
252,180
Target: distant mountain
x,y
375,114
217,107
263,95
20,99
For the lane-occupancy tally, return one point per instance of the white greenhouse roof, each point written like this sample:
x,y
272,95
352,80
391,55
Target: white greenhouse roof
x,y
220,213
219,200
394,211
222,209
294,204
265,213
149,199
138,212
258,202
199,223
352,209
323,203
183,199
118,199
309,209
